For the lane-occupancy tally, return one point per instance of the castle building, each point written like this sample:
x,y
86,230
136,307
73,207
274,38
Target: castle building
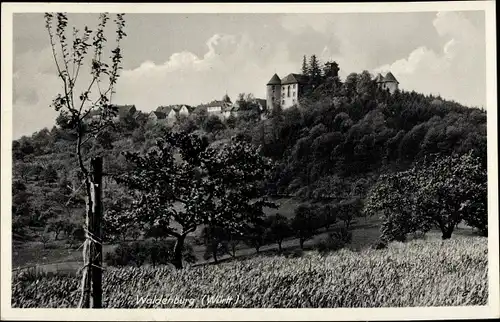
x,y
388,82
285,92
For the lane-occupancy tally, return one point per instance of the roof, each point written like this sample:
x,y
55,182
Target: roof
x,y
165,109
390,78
159,115
275,80
294,78
226,98
124,110
379,78
176,108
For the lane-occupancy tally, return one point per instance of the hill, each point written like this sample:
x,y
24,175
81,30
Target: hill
x,y
332,147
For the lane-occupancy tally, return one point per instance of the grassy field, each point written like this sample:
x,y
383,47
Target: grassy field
x,y
417,273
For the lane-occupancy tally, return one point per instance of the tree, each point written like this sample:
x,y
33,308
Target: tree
x,y
278,229
50,174
57,226
255,234
213,124
328,214
315,78
305,70
91,111
184,180
442,191
214,238
349,209
304,224
452,189
393,198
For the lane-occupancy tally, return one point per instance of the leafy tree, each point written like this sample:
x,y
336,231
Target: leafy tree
x,y
452,189
304,224
393,198
214,124
214,185
278,229
50,174
255,234
349,209
328,214
215,240
57,226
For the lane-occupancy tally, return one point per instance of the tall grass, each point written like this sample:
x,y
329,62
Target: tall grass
x,y
418,273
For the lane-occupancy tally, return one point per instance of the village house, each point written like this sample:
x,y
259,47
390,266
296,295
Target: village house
x,y
125,111
171,113
156,117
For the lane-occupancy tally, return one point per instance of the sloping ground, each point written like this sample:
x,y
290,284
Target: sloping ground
x,y
418,273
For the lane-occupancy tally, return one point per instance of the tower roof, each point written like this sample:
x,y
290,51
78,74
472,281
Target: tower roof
x,y
390,78
275,80
294,78
379,78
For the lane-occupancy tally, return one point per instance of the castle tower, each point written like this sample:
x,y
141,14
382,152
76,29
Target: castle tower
x,y
388,82
391,82
273,92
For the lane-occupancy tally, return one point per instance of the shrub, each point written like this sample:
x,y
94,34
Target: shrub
x,y
329,244
379,244
342,234
138,253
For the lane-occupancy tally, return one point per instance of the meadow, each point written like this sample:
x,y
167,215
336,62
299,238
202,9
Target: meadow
x,y
417,273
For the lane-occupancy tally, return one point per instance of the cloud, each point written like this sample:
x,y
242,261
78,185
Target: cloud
x,y
455,72
231,63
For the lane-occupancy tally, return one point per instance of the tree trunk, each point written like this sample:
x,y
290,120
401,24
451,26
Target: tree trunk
x,y
87,252
179,246
446,234
214,254
301,241
279,246
97,213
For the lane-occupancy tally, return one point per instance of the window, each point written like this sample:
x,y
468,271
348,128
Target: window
x,y
283,88
293,94
283,102
294,86
288,93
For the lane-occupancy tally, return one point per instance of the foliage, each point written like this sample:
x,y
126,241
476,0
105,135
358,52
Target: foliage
x,y
138,253
304,223
441,192
213,185
416,274
278,229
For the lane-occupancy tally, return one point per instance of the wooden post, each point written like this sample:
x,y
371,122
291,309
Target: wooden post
x,y
96,229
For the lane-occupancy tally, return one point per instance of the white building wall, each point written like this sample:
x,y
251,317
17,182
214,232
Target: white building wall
x,y
289,95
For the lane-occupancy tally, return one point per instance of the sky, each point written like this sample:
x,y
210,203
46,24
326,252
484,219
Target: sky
x,y
197,58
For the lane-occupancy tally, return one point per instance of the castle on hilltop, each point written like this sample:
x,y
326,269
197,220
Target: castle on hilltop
x,y
387,82
286,92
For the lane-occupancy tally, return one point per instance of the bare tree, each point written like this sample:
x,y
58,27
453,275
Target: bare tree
x,y
89,112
